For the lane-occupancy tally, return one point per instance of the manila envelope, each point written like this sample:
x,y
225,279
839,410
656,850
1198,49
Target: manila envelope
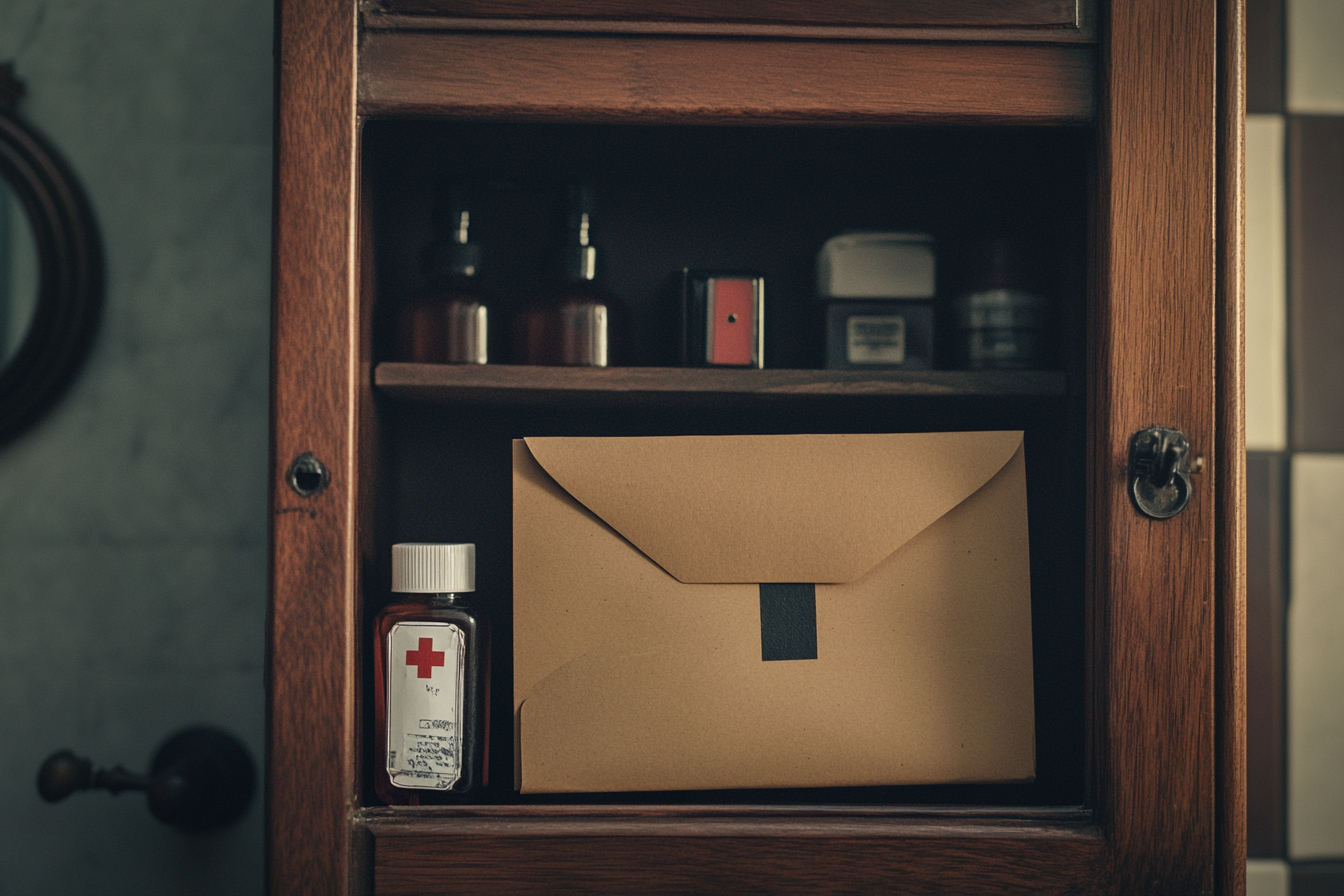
x,y
708,612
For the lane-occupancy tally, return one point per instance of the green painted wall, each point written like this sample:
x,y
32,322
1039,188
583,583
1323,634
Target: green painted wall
x,y
133,518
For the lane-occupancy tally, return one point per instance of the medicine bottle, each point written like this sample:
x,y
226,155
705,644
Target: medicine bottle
x,y
449,320
431,654
573,321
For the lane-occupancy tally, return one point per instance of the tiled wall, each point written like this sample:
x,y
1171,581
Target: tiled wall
x,y
1295,444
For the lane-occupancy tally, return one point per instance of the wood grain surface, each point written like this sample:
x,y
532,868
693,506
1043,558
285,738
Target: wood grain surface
x,y
1228,471
1001,13
1085,33
751,850
1164,691
941,20
594,78
310,743
504,384
1153,362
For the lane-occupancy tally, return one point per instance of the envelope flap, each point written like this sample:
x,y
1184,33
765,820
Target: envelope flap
x,y
750,509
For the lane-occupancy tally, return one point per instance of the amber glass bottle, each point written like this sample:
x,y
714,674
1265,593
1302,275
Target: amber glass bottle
x,y
574,321
431,697
449,320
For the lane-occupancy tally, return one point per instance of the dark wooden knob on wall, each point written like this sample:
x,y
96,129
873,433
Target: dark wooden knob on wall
x,y
201,779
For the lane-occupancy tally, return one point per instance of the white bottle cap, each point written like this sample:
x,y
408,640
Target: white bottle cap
x,y
876,265
433,568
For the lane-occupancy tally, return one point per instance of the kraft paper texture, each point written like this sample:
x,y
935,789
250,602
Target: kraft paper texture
x,y
637,616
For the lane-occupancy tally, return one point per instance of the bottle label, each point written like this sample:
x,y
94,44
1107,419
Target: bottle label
x,y
875,339
426,671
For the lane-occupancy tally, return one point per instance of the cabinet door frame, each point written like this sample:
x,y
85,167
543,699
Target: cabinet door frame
x,y
1165,804
1165,350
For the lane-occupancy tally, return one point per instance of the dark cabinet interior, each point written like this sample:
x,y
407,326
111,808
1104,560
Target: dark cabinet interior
x,y
740,198
762,199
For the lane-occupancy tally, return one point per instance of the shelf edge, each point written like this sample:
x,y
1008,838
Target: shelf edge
x,y
512,385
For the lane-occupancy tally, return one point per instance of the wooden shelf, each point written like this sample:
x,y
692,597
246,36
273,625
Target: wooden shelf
x,y
512,385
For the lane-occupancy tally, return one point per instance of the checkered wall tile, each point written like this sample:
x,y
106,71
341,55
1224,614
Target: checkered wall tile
x,y
1295,444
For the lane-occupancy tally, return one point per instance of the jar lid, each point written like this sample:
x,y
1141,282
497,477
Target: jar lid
x,y
1003,262
433,568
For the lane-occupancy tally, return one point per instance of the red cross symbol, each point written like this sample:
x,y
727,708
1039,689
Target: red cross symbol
x,y
426,658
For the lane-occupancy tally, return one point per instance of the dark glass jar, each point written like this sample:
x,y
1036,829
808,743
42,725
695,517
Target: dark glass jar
x,y
431,655
1003,319
449,320
573,322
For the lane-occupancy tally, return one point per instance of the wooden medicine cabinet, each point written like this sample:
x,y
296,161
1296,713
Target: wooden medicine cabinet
x,y
1105,133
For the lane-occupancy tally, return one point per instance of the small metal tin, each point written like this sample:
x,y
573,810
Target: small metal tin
x,y
723,319
1003,320
1003,329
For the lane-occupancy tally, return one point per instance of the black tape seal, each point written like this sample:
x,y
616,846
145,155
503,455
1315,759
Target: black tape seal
x,y
788,622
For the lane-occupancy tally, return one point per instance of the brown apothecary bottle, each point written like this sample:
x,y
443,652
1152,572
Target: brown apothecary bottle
x,y
450,320
573,321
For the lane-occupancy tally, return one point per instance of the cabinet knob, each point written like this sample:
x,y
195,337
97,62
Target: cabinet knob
x,y
200,779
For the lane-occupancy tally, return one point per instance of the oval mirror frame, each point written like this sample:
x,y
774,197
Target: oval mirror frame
x,y
70,270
